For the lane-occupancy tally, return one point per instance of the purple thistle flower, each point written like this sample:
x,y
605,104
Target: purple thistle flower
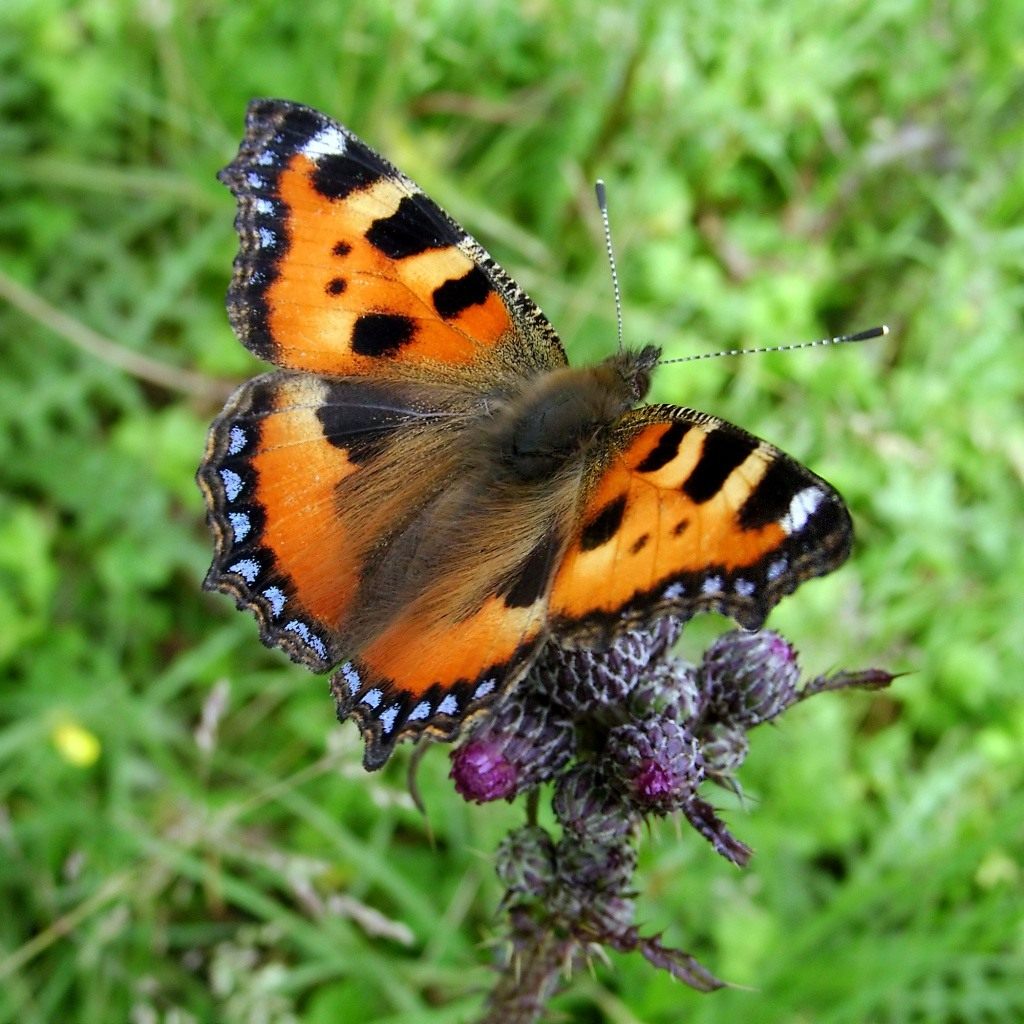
x,y
481,771
648,728
658,761
524,741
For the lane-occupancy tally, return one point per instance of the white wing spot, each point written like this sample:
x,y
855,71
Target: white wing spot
x,y
247,568
276,598
232,483
387,718
674,591
372,697
422,710
254,180
264,206
745,588
712,585
449,706
240,524
802,506
484,688
236,440
776,569
265,159
267,238
330,141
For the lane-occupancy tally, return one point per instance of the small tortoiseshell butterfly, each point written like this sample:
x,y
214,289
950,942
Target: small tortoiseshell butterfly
x,y
426,491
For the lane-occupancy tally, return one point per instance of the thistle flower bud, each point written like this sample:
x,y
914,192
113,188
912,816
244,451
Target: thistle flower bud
x,y
594,885
587,806
667,689
583,680
598,866
658,762
748,678
522,743
725,748
526,862
481,771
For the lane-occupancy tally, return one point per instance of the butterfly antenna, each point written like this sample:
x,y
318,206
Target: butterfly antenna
x,y
842,339
602,205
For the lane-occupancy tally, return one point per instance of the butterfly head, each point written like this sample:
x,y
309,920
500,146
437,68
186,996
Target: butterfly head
x,y
634,366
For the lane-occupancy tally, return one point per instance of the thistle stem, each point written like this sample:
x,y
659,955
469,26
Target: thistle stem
x,y
531,974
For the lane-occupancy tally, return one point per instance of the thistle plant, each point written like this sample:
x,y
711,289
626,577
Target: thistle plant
x,y
624,735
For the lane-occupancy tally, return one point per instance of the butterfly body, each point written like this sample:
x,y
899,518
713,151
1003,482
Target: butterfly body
x,y
426,492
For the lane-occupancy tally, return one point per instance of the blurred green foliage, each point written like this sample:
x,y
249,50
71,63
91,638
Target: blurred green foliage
x,y
777,171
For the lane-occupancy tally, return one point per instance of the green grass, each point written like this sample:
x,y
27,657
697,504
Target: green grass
x,y
777,171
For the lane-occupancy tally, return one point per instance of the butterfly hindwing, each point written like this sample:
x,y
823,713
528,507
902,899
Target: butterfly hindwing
x,y
468,581
346,267
687,513
417,679
352,518
279,457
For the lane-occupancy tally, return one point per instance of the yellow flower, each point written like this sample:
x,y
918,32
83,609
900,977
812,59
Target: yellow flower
x,y
76,744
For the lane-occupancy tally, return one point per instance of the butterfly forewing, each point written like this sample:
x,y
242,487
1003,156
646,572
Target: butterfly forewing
x,y
346,267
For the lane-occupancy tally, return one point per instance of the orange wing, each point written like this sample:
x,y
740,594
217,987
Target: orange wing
x,y
687,513
432,678
276,458
346,267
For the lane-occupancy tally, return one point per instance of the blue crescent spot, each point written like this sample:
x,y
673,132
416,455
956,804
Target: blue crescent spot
x,y
232,483
484,688
247,568
240,524
422,710
351,677
276,598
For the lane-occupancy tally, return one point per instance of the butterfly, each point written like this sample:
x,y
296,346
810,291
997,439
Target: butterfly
x,y
424,492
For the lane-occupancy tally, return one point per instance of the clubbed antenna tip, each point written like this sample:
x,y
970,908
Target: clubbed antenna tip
x,y
842,339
